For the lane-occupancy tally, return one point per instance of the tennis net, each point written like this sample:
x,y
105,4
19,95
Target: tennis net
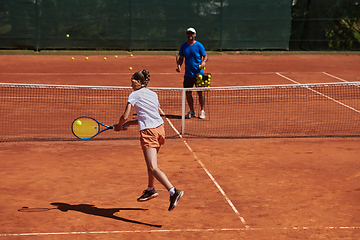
x,y
46,112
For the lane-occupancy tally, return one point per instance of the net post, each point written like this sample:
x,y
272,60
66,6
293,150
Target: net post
x,y
183,112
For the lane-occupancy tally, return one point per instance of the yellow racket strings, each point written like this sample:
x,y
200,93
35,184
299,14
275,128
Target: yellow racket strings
x,y
85,127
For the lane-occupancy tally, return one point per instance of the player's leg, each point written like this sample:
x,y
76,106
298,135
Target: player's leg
x,y
151,161
202,104
201,99
151,177
150,155
190,100
189,83
151,147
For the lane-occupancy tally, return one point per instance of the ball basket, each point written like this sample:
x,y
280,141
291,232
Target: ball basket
x,y
203,80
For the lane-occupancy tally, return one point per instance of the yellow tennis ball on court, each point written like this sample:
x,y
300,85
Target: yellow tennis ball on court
x,y
104,58
115,56
72,58
86,58
130,68
67,35
131,55
78,122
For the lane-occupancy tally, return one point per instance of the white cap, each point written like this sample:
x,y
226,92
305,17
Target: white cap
x,y
191,30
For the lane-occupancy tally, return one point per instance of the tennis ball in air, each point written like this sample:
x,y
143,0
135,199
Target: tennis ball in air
x,y
104,58
86,58
115,56
78,122
67,35
131,55
72,58
130,68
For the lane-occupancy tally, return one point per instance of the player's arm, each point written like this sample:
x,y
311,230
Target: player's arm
x,y
204,61
180,62
123,124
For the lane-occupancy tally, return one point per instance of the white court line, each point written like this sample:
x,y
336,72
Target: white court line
x,y
335,77
162,73
332,99
175,230
207,172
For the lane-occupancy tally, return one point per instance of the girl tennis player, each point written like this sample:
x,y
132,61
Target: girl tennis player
x,y
152,134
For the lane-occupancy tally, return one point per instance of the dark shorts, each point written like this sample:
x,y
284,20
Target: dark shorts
x,y
189,82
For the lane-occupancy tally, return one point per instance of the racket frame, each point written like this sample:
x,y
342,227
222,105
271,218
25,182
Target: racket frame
x,y
99,124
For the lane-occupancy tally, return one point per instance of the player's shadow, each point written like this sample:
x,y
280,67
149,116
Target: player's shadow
x,y
102,212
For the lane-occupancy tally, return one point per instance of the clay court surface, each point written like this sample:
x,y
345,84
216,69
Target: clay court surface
x,y
284,188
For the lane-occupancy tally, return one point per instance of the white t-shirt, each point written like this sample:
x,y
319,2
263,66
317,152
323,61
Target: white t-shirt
x,y
147,105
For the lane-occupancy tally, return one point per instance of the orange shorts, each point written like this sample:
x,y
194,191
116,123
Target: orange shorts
x,y
152,137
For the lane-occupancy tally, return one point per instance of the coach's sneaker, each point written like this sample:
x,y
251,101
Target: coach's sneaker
x,y
147,195
202,114
190,114
174,199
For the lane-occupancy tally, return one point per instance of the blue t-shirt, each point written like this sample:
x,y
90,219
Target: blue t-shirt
x,y
192,54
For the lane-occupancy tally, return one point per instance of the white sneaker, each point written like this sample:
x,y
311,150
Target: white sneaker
x,y
202,114
190,114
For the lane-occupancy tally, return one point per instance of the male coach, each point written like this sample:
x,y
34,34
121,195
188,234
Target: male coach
x,y
194,54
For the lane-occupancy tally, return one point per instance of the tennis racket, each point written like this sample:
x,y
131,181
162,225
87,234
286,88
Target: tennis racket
x,y
88,127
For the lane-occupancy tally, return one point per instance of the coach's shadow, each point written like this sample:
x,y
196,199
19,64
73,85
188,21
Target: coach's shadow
x,y
102,212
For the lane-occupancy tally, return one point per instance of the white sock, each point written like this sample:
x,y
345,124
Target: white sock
x,y
172,191
149,188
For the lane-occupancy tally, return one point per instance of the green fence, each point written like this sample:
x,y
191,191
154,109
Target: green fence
x,y
144,24
161,24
